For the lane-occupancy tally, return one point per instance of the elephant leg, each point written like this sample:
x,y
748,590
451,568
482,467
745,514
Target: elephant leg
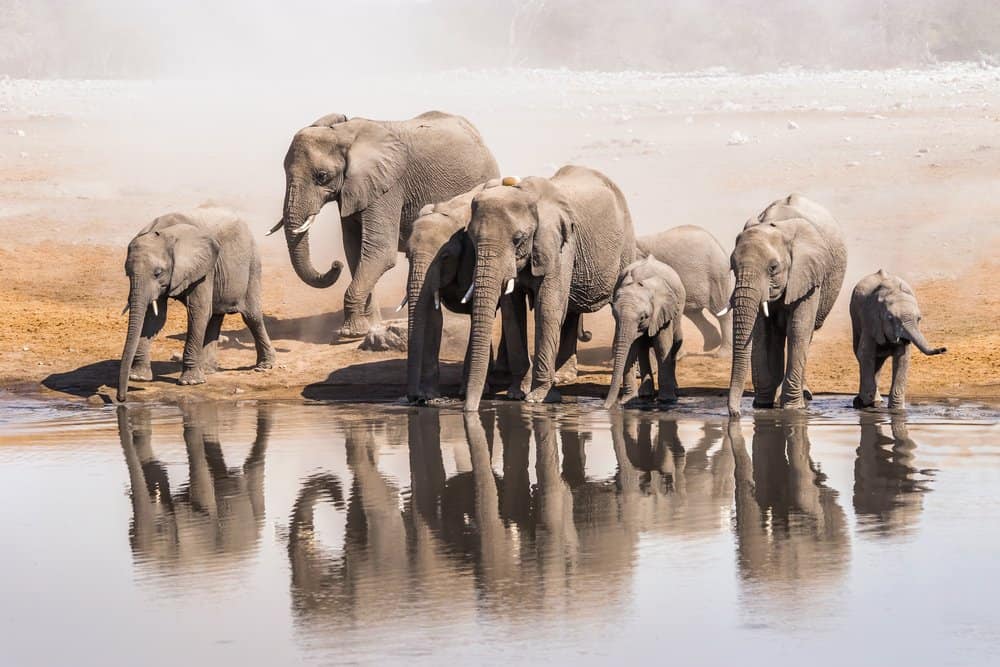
x,y
880,359
514,318
142,368
801,324
707,330
430,367
668,344
900,372
766,362
379,232
566,357
646,388
550,312
210,348
253,318
865,351
199,311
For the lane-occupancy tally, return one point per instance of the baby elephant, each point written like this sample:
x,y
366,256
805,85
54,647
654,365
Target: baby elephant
x,y
885,319
648,303
208,261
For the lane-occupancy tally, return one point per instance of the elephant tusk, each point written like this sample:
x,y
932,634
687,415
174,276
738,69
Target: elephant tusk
x,y
510,287
406,297
279,225
724,311
305,226
468,295
764,305
125,309
156,309
437,300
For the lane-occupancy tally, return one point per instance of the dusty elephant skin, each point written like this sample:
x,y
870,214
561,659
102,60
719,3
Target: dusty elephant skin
x,y
647,306
564,240
381,173
703,267
885,319
789,264
206,259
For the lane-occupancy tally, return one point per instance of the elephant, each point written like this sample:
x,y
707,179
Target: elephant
x,y
885,319
564,240
703,267
380,173
790,260
218,514
206,259
647,306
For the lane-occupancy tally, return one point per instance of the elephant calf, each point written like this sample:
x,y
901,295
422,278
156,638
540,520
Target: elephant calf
x,y
647,306
207,260
885,319
703,267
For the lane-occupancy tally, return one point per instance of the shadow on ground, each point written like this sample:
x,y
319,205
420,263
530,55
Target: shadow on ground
x,y
86,380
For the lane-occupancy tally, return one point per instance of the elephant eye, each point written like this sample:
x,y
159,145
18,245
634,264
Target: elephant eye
x,y
321,177
772,268
519,238
157,273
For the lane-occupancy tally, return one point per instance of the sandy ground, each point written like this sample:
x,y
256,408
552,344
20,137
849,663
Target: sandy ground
x,y
907,161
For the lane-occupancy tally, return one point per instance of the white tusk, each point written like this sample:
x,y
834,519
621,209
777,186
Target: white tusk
x,y
402,303
468,295
281,223
305,227
724,311
437,300
125,309
156,310
766,313
510,286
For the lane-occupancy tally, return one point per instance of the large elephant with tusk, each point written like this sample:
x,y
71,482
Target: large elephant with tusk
x,y
789,263
380,173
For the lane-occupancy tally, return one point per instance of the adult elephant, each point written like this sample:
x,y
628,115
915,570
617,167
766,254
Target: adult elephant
x,y
380,173
564,240
789,264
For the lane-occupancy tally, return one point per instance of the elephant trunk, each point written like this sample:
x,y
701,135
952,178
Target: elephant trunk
x,y
418,298
485,297
746,302
911,331
625,334
295,216
136,316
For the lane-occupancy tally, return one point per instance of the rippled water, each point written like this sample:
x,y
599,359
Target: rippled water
x,y
282,534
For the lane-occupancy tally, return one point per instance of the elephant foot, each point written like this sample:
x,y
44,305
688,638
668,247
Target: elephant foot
x,y
897,403
355,327
141,374
192,376
794,404
389,336
806,394
667,397
263,366
723,352
762,405
567,374
861,403
515,393
544,394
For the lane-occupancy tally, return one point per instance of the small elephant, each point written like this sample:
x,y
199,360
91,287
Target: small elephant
x,y
647,306
789,263
207,260
380,173
703,267
885,319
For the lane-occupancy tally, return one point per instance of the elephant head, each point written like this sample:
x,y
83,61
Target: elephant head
x,y
644,302
514,228
899,315
352,162
779,261
165,259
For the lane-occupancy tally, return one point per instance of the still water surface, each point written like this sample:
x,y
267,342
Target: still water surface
x,y
280,534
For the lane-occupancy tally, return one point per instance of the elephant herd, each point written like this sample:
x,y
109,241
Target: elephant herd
x,y
562,246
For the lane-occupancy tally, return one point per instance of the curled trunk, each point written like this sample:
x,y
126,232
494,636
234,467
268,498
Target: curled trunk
x,y
912,333
625,334
298,246
136,315
418,300
485,296
746,302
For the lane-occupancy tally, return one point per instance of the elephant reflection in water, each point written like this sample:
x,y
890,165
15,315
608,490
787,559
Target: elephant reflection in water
x,y
789,527
888,493
218,513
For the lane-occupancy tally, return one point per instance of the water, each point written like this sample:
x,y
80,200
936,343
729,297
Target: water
x,y
285,534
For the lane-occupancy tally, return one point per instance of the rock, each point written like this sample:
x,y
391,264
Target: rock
x,y
25,348
223,339
792,125
384,337
737,138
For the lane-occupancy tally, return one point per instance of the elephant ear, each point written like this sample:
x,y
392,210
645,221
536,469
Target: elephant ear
x,y
375,161
555,228
664,304
808,253
194,251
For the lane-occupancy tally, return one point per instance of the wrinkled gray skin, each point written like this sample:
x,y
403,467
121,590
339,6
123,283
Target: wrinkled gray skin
x,y
564,240
207,260
885,319
647,306
791,257
381,173
703,267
